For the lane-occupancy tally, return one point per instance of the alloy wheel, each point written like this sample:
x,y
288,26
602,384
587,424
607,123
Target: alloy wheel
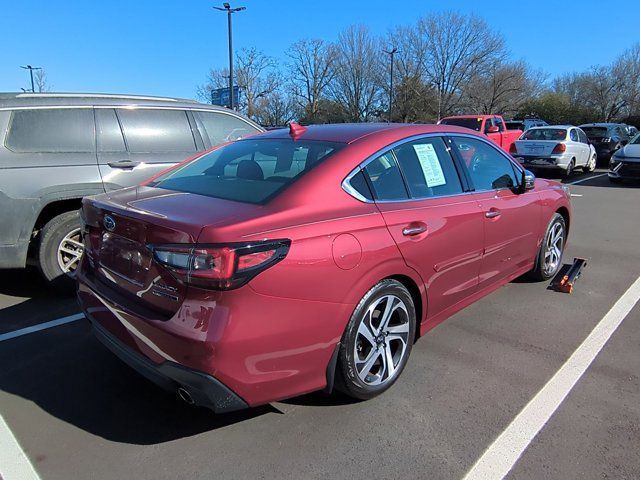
x,y
553,249
381,341
70,252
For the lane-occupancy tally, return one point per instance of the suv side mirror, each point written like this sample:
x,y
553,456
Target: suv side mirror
x,y
528,181
493,129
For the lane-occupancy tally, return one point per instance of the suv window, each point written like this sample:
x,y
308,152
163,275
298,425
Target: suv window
x,y
221,127
489,169
385,178
156,130
68,130
428,168
249,171
109,135
573,135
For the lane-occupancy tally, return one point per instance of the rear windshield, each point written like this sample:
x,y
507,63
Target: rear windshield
x,y
595,132
544,134
251,171
472,123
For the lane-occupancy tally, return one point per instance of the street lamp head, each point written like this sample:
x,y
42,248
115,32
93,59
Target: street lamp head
x,y
226,5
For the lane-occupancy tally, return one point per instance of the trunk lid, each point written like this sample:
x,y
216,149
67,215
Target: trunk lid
x,y
120,228
541,148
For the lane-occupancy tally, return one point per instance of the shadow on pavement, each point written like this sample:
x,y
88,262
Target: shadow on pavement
x,y
72,377
26,300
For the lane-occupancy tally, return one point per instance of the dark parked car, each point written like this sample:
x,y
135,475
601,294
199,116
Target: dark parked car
x,y
607,138
57,148
625,163
275,264
525,124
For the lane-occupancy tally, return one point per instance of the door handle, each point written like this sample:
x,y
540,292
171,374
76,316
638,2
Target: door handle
x,y
493,213
124,164
415,230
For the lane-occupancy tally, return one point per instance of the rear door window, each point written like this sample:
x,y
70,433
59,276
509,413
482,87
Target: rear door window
x,y
218,128
573,135
156,130
428,168
64,130
385,178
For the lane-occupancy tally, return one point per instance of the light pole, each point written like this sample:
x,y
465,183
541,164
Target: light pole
x,y
391,53
31,69
227,8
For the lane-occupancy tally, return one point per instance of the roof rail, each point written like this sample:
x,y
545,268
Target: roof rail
x,y
100,95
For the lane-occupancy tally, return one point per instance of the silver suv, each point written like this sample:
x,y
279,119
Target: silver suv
x,y
57,148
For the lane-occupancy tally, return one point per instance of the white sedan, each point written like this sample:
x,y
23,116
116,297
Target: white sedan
x,y
563,147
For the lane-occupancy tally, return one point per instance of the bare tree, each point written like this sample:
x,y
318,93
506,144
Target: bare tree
x,y
312,70
40,81
457,48
216,78
256,78
503,88
275,109
356,85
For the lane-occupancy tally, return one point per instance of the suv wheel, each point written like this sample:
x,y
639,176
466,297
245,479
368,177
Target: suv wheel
x,y
60,250
377,342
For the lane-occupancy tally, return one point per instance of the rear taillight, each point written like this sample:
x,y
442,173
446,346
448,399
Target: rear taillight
x,y
220,267
559,148
513,149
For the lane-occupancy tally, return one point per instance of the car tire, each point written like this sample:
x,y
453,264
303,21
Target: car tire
x,y
549,260
62,231
569,171
591,164
372,341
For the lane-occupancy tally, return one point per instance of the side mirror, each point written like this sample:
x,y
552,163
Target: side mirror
x,y
528,181
493,129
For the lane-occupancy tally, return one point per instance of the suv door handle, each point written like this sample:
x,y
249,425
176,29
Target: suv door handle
x,y
124,164
414,230
492,213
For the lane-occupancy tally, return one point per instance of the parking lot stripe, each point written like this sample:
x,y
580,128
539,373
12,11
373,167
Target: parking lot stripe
x,y
14,463
586,179
496,462
41,326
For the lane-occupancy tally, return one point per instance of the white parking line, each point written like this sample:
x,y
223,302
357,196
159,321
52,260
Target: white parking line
x,y
41,326
14,463
588,178
496,462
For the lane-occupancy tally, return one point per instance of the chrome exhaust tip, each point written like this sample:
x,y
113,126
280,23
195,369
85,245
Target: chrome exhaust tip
x,y
185,396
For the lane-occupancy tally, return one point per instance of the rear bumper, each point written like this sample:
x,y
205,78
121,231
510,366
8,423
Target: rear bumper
x,y
544,162
205,390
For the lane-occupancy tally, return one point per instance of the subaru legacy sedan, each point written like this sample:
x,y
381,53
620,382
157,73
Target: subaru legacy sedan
x,y
300,259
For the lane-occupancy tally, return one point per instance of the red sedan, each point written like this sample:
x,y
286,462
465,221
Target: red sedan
x,y
298,259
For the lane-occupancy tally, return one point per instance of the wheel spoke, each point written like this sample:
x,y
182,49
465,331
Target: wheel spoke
x,y
390,368
365,331
368,364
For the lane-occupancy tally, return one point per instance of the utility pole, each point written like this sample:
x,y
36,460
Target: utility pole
x,y
31,69
227,8
391,53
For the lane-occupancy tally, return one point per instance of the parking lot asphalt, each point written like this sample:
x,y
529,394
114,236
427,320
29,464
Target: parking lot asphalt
x,y
78,412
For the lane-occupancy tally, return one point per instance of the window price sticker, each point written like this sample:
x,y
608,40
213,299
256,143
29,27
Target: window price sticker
x,y
430,164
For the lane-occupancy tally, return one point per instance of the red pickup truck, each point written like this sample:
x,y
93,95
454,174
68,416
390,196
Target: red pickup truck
x,y
492,126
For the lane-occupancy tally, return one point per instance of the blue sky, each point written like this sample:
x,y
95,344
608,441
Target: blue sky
x,y
166,47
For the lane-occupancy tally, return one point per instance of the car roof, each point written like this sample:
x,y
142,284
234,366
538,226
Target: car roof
x,y
14,100
600,124
546,127
350,132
